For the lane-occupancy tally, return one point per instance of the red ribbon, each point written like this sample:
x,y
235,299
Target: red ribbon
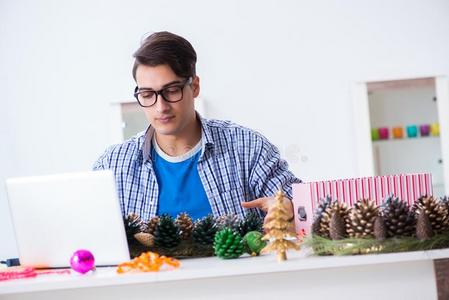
x,y
26,272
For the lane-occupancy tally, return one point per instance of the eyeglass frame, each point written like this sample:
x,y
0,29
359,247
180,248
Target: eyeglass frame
x,y
182,86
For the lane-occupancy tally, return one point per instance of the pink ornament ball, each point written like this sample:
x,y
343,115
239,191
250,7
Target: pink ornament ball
x,y
82,261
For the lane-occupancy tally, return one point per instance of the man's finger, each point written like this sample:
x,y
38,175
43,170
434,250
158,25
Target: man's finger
x,y
260,203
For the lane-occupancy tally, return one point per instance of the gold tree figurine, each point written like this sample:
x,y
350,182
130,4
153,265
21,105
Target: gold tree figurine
x,y
279,228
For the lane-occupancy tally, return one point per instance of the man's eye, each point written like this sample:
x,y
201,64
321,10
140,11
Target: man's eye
x,y
146,94
172,89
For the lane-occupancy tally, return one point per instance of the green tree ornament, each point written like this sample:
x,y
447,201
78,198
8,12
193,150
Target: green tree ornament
x,y
228,244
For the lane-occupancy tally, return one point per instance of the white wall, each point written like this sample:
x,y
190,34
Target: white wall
x,y
283,67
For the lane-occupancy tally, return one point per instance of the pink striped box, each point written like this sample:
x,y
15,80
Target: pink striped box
x,y
408,187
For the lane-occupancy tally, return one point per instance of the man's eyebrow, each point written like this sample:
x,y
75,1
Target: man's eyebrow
x,y
171,83
164,86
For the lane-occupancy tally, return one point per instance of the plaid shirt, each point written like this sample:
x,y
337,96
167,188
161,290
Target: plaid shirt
x,y
236,164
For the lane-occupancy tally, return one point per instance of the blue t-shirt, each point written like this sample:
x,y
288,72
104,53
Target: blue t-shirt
x,y
180,186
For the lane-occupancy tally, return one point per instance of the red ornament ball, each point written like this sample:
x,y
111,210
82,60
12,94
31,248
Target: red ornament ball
x,y
82,261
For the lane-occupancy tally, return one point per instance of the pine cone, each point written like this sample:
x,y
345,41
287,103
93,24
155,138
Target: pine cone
x,y
204,231
228,221
316,225
151,225
145,239
323,204
185,225
228,244
380,230
445,201
334,207
436,210
337,229
133,224
167,233
251,222
399,218
423,226
361,219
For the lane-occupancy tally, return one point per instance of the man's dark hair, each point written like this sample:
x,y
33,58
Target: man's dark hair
x,y
165,48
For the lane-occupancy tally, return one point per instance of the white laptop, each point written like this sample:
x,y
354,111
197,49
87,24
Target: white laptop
x,y
55,215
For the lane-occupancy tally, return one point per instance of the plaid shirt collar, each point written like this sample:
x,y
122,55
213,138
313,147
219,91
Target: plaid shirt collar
x,y
206,138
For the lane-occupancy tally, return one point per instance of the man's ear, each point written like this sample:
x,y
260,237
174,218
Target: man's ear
x,y
196,86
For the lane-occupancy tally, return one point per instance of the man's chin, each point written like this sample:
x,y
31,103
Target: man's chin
x,y
165,131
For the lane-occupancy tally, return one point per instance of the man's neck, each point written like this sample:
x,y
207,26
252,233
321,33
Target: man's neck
x,y
176,145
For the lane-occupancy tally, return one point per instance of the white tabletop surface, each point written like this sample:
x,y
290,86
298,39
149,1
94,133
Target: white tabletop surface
x,y
212,267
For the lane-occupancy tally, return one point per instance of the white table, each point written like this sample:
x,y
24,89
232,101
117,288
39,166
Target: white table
x,y
384,276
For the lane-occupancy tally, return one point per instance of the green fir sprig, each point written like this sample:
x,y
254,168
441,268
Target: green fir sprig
x,y
352,246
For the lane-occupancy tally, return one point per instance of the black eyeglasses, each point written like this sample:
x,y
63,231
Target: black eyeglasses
x,y
147,97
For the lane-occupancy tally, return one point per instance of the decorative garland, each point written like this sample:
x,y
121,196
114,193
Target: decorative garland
x,y
367,228
184,249
354,246
181,237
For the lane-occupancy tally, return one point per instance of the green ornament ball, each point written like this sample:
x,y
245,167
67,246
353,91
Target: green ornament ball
x,y
253,242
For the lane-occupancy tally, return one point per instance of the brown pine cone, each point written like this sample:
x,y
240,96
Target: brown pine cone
x,y
423,226
151,225
337,228
146,239
185,225
380,230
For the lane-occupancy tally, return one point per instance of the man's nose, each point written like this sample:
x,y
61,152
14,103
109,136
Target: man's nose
x,y
161,105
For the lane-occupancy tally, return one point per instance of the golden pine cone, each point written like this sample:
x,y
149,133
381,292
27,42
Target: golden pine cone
x,y
336,207
361,219
436,210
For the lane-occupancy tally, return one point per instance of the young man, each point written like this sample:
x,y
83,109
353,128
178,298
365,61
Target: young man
x,y
183,162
